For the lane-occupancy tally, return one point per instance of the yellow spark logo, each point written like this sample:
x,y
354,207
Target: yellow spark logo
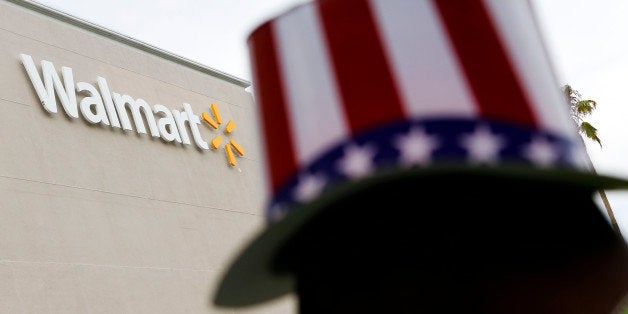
x,y
232,145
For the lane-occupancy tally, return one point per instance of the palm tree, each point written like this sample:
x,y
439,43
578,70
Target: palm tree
x,y
580,109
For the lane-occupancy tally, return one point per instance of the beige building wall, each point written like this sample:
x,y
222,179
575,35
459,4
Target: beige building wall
x,y
100,220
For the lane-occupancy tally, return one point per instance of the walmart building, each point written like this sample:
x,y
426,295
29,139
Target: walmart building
x,y
129,176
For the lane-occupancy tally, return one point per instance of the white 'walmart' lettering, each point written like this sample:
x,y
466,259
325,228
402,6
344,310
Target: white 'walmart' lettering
x,y
99,105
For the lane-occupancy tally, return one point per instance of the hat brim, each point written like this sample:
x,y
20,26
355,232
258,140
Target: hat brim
x,y
252,277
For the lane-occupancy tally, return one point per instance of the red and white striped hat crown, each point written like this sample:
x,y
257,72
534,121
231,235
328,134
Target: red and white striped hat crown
x,y
348,89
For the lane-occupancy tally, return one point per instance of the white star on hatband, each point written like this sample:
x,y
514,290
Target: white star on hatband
x,y
309,187
416,147
482,145
357,162
541,152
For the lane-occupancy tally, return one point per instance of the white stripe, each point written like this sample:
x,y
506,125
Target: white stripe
x,y
516,26
431,80
313,102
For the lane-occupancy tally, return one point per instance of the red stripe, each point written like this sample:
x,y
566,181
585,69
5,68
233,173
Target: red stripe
x,y
486,65
367,87
280,156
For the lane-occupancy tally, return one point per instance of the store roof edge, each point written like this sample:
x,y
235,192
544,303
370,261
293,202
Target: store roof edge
x,y
130,41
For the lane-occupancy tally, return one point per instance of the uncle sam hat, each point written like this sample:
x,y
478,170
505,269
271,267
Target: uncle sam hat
x,y
351,93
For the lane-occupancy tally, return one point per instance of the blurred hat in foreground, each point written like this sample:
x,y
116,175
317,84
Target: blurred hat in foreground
x,y
354,92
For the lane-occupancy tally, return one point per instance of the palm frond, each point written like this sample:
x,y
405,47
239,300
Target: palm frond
x,y
585,107
572,95
590,132
580,108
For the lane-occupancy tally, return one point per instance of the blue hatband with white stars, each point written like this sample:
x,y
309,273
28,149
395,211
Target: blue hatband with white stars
x,y
423,143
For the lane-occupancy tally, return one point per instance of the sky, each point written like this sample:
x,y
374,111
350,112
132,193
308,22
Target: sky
x,y
587,41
